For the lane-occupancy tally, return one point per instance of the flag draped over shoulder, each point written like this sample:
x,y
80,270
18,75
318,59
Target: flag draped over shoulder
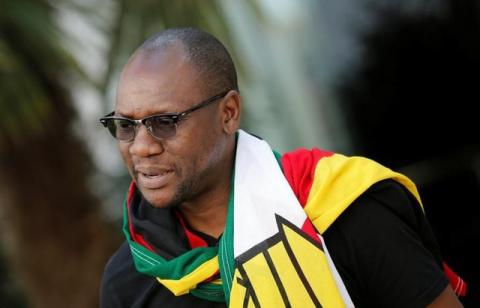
x,y
271,252
279,258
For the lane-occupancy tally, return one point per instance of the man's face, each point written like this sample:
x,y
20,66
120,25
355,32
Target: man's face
x,y
179,169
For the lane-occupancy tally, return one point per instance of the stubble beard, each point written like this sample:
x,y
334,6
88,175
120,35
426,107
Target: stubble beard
x,y
185,191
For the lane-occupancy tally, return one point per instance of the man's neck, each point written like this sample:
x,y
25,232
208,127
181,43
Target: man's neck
x,y
208,212
208,218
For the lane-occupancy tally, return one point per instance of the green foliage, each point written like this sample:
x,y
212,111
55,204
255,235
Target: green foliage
x,y
32,61
10,295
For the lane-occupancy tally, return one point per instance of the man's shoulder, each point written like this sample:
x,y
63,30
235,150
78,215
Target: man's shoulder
x,y
118,269
122,285
384,250
397,199
337,174
386,196
119,262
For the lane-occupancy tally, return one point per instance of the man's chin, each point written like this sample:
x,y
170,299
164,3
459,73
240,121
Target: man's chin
x,y
159,200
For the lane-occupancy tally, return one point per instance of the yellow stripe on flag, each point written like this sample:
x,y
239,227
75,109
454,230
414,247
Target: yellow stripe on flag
x,y
339,180
190,281
314,265
294,287
263,282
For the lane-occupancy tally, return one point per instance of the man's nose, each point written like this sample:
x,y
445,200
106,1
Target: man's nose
x,y
144,144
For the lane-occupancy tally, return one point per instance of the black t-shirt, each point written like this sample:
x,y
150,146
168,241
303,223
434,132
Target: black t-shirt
x,y
382,247
385,251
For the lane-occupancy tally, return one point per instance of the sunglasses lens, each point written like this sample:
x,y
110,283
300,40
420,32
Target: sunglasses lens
x,y
121,129
161,126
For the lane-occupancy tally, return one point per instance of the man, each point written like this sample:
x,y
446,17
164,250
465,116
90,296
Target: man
x,y
214,217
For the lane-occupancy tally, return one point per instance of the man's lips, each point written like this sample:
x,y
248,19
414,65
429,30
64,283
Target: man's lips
x,y
153,178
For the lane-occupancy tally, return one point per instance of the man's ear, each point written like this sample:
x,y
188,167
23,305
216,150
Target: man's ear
x,y
230,112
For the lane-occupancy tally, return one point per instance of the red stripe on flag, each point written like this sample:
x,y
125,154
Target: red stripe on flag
x,y
309,229
131,191
299,169
136,237
458,284
193,239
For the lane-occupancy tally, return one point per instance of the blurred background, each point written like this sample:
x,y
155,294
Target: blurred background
x,y
396,81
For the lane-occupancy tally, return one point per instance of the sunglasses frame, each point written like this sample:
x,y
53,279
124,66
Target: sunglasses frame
x,y
173,117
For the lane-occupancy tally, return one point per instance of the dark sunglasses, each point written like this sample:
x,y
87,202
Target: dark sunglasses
x,y
160,126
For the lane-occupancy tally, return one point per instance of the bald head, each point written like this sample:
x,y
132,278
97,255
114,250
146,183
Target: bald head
x,y
203,51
